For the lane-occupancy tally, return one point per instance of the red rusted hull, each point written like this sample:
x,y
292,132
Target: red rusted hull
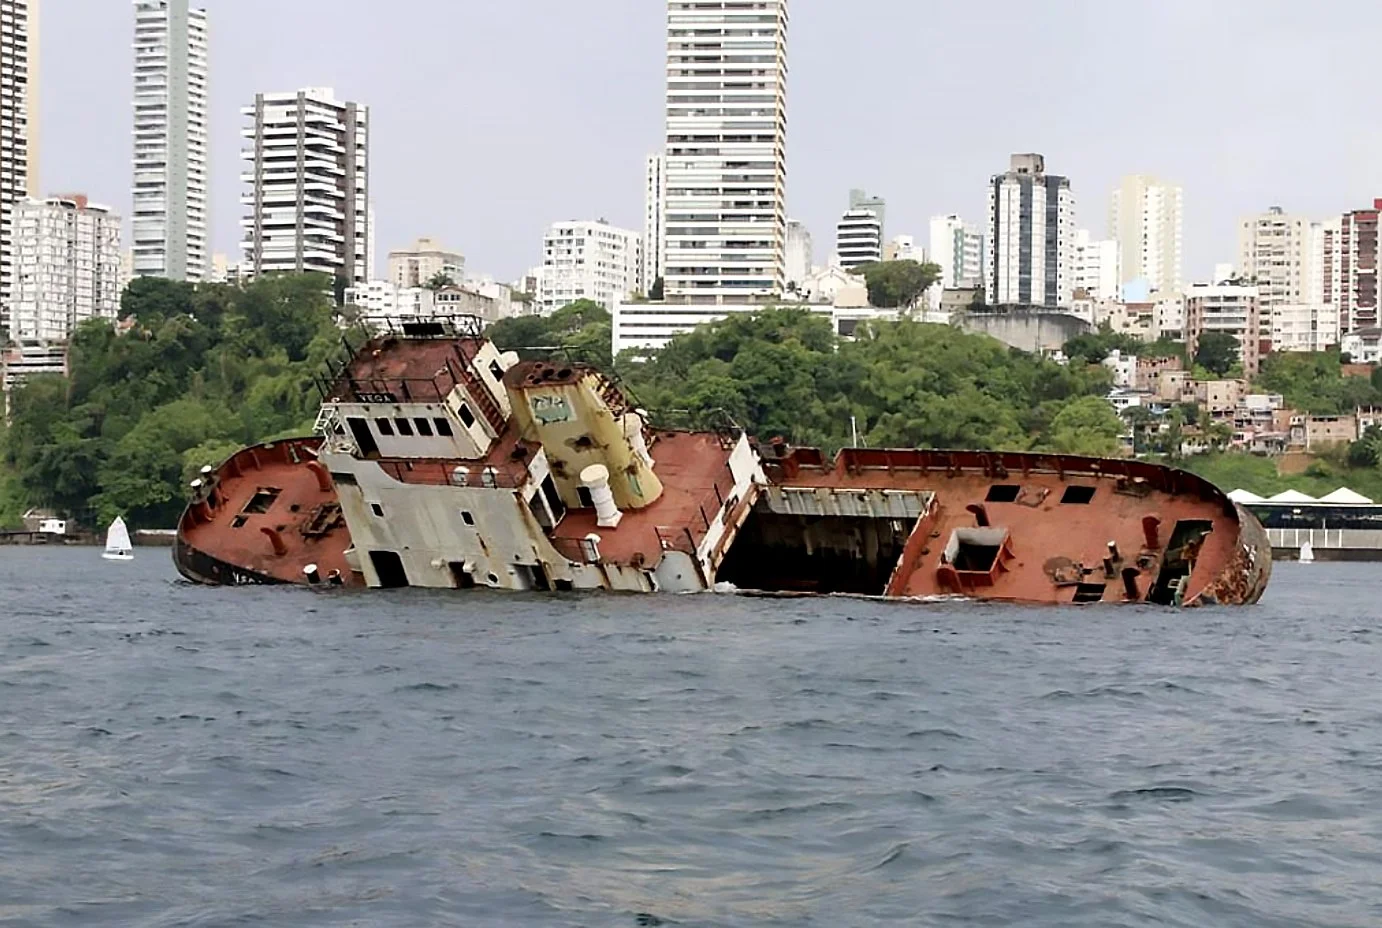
x,y
1014,527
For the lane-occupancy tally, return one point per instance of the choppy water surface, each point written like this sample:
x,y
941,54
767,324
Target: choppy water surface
x,y
172,755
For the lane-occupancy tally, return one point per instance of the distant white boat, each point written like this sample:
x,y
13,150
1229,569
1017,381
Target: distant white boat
x,y
118,546
1307,553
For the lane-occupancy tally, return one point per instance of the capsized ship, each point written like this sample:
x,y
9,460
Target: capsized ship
x,y
440,461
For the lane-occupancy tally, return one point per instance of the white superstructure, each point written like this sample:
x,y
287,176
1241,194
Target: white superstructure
x,y
725,150
307,185
588,260
170,140
1031,233
1145,218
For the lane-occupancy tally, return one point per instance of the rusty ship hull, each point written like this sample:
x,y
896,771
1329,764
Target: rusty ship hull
x,y
444,463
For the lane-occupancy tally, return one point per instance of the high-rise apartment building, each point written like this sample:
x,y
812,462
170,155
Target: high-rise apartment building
x,y
1097,270
858,238
860,199
726,150
799,252
423,260
654,211
958,248
1145,218
1358,258
170,141
65,269
307,182
1228,308
18,123
1274,251
1031,234
587,260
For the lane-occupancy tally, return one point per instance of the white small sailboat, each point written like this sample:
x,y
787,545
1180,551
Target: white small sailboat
x,y
1307,553
118,546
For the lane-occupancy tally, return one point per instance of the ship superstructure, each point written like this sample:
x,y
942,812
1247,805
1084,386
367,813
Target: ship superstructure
x,y
442,462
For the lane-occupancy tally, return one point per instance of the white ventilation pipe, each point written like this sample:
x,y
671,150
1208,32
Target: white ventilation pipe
x,y
595,478
633,431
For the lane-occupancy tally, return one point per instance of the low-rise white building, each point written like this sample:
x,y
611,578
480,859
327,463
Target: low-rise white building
x,y
66,267
382,302
1304,326
588,260
828,284
643,327
1363,346
1124,368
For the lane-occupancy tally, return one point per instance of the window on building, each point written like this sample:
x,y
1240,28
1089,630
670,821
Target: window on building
x,y
404,427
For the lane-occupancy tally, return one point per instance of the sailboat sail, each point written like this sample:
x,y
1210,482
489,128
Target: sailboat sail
x,y
118,541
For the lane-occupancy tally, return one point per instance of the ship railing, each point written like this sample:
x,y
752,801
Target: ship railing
x,y
473,474
688,538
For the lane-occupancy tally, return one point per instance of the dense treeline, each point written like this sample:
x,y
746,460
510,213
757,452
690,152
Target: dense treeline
x,y
906,384
202,371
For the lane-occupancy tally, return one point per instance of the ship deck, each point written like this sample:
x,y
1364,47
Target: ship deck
x,y
262,493
695,475
1050,532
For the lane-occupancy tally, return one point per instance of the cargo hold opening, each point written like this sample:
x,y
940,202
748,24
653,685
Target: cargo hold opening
x,y
779,553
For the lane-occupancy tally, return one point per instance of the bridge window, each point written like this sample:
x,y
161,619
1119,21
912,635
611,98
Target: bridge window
x,y
405,428
424,428
385,427
496,371
467,417
443,427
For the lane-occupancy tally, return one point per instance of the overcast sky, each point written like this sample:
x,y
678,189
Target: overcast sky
x,y
493,118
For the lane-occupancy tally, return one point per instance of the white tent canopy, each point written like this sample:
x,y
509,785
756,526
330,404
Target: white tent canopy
x,y
1292,496
1244,496
1345,497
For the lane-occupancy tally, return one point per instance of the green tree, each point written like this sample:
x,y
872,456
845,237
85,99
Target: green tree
x,y
1367,450
1217,352
897,284
204,366
440,281
1087,425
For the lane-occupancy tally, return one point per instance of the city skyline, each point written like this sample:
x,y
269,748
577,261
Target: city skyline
x,y
558,142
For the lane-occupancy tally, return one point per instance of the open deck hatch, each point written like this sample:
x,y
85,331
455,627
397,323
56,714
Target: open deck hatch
x,y
815,554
